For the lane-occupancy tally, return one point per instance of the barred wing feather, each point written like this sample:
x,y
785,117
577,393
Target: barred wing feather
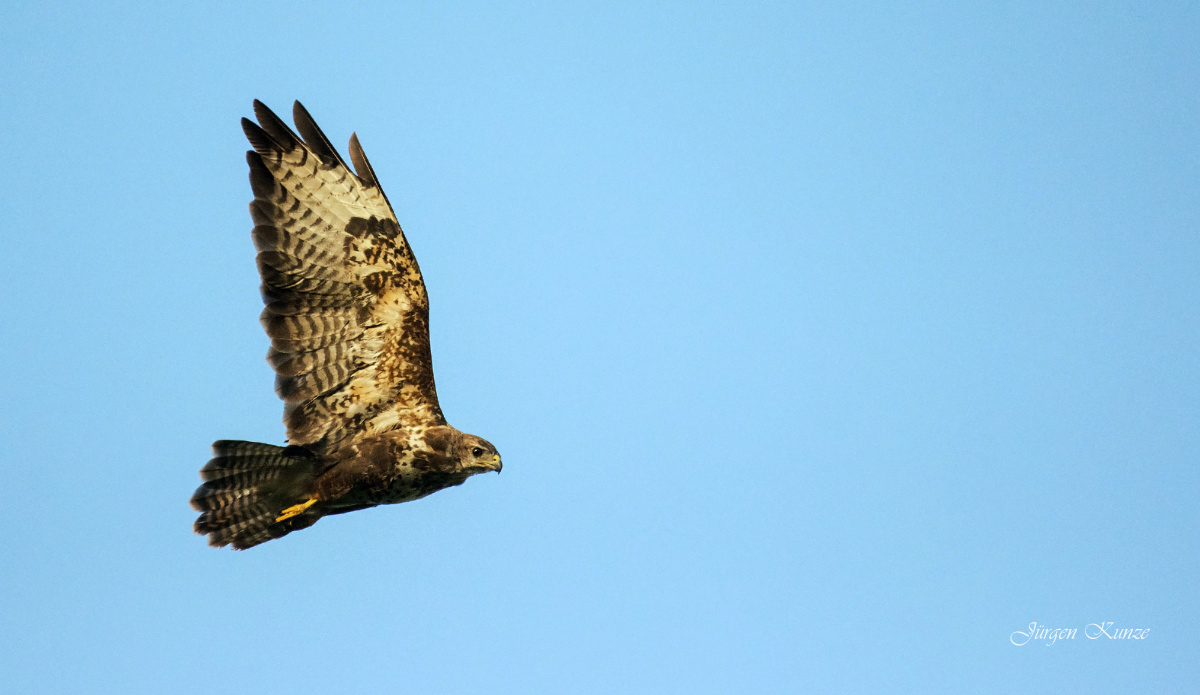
x,y
346,307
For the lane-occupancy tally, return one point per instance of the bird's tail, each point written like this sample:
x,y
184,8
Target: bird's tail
x,y
246,487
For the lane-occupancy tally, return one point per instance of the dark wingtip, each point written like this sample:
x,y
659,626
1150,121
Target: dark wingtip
x,y
261,180
275,127
313,137
362,167
262,142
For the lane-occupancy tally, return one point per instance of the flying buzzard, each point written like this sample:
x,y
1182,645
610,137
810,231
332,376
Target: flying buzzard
x,y
348,318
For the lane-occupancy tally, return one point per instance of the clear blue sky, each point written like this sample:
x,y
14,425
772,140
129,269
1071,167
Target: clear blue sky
x,y
827,346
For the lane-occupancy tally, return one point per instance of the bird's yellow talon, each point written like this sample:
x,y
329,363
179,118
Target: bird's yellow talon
x,y
295,510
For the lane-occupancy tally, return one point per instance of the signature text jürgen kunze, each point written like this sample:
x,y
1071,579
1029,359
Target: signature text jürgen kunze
x,y
1050,635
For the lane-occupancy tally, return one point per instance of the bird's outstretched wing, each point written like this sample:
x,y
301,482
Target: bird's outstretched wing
x,y
346,307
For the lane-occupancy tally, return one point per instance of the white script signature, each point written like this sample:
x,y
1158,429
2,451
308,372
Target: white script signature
x,y
1092,631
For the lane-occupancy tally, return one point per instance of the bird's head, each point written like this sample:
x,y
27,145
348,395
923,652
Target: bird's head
x,y
477,455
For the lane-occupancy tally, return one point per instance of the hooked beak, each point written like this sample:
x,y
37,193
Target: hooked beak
x,y
496,464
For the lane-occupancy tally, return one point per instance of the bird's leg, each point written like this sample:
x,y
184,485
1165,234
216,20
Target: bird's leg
x,y
295,510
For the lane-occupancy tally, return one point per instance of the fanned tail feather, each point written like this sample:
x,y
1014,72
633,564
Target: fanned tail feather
x,y
246,486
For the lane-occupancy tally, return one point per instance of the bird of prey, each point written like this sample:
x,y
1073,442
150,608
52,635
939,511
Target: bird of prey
x,y
348,318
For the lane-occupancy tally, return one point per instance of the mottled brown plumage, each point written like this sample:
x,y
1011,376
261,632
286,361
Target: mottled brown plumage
x,y
348,318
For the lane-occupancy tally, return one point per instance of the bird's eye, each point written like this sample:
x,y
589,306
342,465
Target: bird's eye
x,y
477,452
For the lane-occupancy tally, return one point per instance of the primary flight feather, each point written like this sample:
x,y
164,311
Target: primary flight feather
x,y
348,318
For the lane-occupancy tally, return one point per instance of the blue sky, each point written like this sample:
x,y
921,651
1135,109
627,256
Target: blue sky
x,y
827,346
